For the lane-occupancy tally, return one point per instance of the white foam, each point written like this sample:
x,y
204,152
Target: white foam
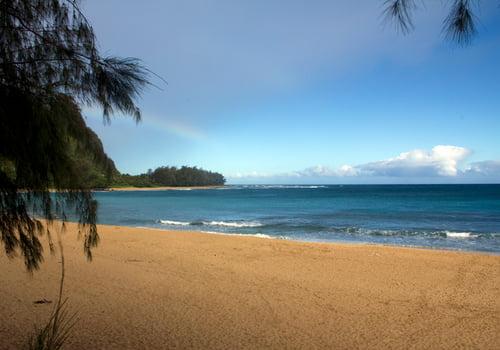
x,y
261,235
233,223
236,224
171,222
459,234
258,235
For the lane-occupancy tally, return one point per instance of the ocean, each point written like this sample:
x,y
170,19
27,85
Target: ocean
x,y
458,217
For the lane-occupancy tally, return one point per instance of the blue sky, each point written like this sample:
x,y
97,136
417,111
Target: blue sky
x,y
305,92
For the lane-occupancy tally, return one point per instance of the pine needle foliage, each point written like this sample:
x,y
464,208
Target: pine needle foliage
x,y
400,11
49,64
459,26
49,46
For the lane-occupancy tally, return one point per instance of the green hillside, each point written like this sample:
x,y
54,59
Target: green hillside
x,y
87,158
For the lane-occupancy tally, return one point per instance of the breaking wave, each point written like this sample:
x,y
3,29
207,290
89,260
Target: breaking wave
x,y
277,229
235,224
258,235
460,234
171,222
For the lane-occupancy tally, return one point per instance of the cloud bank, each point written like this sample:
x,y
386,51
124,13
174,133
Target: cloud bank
x,y
443,163
440,161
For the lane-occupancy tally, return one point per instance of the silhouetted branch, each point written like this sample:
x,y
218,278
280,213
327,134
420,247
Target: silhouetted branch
x,y
400,12
459,26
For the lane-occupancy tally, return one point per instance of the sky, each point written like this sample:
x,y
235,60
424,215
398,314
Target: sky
x,y
304,91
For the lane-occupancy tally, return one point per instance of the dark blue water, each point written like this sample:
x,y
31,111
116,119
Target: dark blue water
x,y
465,217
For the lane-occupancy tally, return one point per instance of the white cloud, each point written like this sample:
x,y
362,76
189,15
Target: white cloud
x,y
316,171
320,171
250,175
442,161
484,168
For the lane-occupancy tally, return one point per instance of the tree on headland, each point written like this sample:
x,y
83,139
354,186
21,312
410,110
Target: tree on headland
x,y
186,176
459,25
171,176
49,64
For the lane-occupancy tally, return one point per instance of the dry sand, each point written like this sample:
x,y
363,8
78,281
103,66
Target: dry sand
x,y
150,289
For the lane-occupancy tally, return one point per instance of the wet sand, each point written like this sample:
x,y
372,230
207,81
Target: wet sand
x,y
170,289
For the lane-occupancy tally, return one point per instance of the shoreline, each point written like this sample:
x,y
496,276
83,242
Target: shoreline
x,y
154,288
287,239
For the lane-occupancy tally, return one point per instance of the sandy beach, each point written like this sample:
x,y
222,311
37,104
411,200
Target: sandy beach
x,y
152,289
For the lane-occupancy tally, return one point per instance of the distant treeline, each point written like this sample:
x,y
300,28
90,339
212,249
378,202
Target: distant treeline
x,y
84,157
171,176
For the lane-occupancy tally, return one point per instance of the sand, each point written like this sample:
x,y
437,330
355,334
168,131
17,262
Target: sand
x,y
151,289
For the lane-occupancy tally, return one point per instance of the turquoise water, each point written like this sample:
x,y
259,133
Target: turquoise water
x,y
464,217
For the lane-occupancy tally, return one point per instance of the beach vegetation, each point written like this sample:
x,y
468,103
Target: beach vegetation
x,y
56,331
49,65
